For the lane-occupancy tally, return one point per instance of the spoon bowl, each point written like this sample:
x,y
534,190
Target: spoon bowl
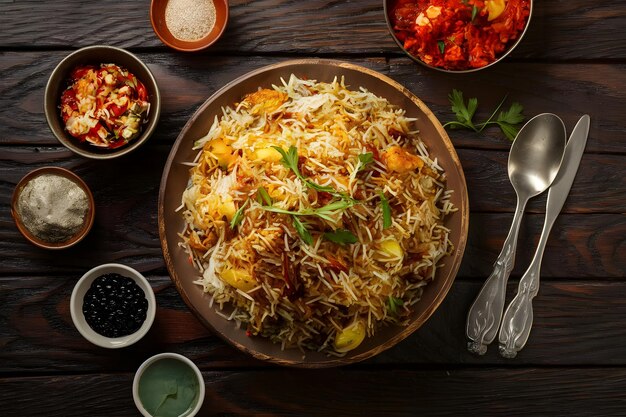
x,y
534,161
536,154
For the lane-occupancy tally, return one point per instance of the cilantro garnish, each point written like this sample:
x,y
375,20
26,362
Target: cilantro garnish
x,y
290,160
394,303
304,233
262,197
323,212
364,160
442,46
341,236
238,217
509,121
386,211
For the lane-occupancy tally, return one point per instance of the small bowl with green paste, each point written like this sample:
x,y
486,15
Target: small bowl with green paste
x,y
168,385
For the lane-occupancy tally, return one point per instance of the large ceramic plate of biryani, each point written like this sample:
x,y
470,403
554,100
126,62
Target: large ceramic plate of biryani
x,y
313,213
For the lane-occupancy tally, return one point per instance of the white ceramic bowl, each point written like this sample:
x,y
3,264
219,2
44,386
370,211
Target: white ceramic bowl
x,y
160,356
78,295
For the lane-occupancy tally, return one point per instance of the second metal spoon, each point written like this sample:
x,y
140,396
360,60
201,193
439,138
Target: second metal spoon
x,y
534,161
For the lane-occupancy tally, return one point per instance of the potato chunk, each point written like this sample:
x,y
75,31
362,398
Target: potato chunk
x,y
350,338
264,100
239,278
399,160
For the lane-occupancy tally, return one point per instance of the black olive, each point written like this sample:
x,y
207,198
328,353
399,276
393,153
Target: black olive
x,y
114,305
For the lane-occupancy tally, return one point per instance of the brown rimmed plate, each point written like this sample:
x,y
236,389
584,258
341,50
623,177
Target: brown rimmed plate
x,y
176,175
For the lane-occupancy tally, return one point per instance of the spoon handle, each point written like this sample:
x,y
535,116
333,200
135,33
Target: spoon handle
x,y
483,319
518,317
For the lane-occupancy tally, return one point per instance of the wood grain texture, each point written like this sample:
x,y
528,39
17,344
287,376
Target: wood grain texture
x,y
37,335
311,27
571,62
125,227
186,81
440,392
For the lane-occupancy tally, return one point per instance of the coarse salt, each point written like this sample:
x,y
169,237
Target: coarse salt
x,y
190,20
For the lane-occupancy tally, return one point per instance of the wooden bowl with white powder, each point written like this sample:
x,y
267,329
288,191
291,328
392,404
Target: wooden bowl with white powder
x,y
53,208
189,25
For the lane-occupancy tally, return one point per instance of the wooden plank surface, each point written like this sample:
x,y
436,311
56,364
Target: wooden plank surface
x,y
401,392
576,324
588,240
572,61
186,81
309,27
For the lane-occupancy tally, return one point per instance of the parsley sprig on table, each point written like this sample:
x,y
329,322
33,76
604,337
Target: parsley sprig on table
x,y
509,120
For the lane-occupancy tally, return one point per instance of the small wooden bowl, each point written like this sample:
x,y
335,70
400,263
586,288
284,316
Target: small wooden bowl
x,y
96,55
61,172
157,18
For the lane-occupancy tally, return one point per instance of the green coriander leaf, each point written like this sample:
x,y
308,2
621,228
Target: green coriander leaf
x,y
386,211
289,158
513,115
282,211
509,131
489,121
464,114
321,212
263,197
318,187
238,217
304,233
442,46
335,205
364,160
472,105
458,105
508,120
475,11
341,236
394,303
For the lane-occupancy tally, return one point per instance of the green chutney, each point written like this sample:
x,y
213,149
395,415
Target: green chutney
x,y
168,388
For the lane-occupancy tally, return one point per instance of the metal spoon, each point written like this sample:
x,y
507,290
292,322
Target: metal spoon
x,y
534,161
518,317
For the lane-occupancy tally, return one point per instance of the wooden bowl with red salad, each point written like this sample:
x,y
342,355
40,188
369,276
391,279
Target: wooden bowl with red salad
x,y
102,102
457,35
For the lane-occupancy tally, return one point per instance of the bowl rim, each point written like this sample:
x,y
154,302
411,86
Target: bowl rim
x,y
149,126
201,43
65,173
465,71
77,297
168,355
454,258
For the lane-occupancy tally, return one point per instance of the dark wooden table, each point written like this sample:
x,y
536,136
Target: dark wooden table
x,y
572,61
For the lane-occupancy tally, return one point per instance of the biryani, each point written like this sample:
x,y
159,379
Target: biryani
x,y
315,214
